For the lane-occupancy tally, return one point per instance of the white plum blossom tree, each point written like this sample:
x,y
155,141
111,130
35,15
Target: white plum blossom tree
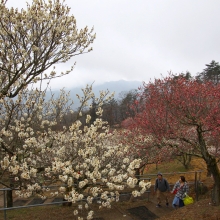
x,y
85,160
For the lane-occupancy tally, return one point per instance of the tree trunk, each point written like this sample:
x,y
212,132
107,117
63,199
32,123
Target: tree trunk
x,y
9,193
208,172
213,167
185,159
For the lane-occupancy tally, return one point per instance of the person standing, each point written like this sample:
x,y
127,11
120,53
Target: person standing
x,y
161,188
180,189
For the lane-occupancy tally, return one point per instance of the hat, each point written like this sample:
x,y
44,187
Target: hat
x,y
159,173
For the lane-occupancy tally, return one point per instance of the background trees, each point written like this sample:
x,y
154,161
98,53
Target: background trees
x,y
210,73
126,104
111,113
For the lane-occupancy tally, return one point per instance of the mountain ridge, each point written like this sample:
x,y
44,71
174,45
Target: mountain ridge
x,y
120,86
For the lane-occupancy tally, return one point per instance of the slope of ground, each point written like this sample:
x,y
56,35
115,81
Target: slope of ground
x,y
138,208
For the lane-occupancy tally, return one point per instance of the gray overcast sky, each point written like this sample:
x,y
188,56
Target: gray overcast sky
x,y
142,39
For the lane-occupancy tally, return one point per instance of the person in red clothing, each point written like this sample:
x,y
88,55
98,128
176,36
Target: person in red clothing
x,y
181,187
161,188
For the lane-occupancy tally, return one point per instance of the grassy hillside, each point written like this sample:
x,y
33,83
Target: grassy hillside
x,y
172,170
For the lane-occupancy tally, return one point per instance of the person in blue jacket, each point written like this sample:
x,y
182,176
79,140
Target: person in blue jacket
x,y
161,188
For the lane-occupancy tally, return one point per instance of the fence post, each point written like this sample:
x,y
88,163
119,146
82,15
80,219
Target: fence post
x,y
200,176
9,193
196,186
148,194
195,180
5,214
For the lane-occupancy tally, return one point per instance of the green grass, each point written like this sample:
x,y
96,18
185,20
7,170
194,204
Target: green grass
x,y
171,171
171,167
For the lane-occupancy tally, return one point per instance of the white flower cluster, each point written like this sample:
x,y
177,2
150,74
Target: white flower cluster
x,y
83,183
90,215
144,186
131,182
5,163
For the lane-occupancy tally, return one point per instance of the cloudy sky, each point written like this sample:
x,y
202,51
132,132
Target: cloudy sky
x,y
143,39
